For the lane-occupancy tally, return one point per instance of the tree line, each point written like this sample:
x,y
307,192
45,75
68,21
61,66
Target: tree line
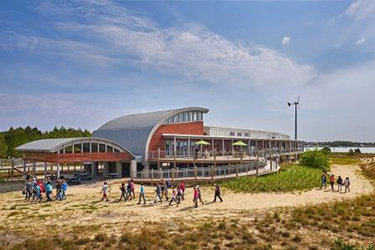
x,y
341,144
14,137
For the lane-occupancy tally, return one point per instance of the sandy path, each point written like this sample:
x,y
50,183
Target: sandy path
x,y
74,210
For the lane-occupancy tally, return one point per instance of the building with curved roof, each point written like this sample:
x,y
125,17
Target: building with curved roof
x,y
170,138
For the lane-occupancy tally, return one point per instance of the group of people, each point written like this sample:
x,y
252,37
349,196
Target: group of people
x,y
35,189
161,192
339,181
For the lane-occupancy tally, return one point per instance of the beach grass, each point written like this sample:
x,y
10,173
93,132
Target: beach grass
x,y
290,178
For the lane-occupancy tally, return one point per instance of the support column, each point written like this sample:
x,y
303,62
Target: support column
x,y
223,146
94,168
105,169
34,168
24,170
118,168
58,171
133,168
189,147
45,169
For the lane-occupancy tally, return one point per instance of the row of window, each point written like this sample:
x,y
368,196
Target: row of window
x,y
239,134
186,117
85,148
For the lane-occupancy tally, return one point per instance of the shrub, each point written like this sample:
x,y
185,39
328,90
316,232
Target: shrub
x,y
315,159
326,150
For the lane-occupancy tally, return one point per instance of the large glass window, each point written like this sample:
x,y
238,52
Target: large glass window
x,y
68,149
186,117
181,117
86,147
109,149
190,116
231,133
200,118
77,148
239,134
101,148
194,116
94,147
175,119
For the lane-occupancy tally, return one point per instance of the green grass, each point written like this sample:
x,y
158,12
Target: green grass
x,y
290,178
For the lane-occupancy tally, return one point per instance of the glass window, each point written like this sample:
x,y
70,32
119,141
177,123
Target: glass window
x,y
86,147
117,151
101,148
181,117
77,148
247,134
94,147
109,149
186,117
175,119
231,133
199,116
190,116
68,149
194,116
239,134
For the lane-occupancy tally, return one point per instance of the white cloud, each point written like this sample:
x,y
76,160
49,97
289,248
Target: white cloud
x,y
361,9
337,45
360,41
285,40
113,35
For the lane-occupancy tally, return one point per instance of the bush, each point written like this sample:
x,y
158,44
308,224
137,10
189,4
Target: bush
x,y
315,159
326,150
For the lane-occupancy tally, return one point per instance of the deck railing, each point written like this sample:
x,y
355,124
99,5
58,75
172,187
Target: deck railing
x,y
251,168
162,154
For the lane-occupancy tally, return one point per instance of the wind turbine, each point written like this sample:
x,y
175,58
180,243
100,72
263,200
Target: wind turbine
x,y
295,104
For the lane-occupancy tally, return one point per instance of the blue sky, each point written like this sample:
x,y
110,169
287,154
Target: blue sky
x,y
79,63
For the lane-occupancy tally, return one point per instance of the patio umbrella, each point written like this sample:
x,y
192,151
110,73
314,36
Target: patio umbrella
x,y
201,142
240,143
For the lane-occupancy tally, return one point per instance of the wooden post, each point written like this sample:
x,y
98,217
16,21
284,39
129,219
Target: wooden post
x,y
158,158
172,175
195,172
152,177
45,169
212,174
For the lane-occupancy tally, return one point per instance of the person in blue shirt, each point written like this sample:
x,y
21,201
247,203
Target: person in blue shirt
x,y
49,191
38,196
142,194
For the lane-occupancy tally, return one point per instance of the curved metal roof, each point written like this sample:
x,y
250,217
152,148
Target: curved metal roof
x,y
134,131
54,145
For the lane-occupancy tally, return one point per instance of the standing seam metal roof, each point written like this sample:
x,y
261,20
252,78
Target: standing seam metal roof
x,y
134,131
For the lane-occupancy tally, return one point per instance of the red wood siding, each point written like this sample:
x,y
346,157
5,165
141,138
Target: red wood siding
x,y
191,128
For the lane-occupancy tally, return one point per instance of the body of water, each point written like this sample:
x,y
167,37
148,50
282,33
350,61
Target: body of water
x,y
368,150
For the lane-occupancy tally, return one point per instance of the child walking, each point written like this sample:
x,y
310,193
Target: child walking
x,y
200,195
196,196
332,180
347,184
123,192
142,194
324,181
339,184
104,191
217,193
174,197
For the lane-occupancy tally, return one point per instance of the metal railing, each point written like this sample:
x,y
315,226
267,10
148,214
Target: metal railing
x,y
252,168
226,154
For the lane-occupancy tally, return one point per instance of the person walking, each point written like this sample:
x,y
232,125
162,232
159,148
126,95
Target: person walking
x,y
196,196
332,180
217,193
182,188
339,184
28,190
142,194
200,195
158,194
104,191
162,186
129,191
49,190
123,192
347,184
132,187
174,197
323,181
168,185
